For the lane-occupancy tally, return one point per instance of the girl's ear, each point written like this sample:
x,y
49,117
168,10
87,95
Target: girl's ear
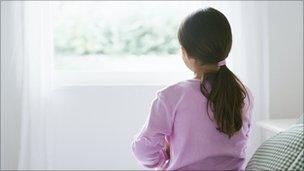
x,y
188,58
189,61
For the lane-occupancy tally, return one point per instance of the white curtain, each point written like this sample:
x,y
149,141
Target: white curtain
x,y
11,55
28,50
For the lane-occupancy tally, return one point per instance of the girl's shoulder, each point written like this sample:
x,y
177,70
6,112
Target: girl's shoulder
x,y
175,94
180,86
179,89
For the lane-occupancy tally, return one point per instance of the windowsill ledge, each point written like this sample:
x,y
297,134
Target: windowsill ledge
x,y
81,78
276,125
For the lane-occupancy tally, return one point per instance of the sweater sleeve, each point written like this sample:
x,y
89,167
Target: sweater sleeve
x,y
148,145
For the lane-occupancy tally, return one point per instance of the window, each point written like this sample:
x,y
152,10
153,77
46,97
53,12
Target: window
x,y
128,42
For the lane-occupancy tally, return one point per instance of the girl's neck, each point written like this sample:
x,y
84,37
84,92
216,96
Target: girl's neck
x,y
199,73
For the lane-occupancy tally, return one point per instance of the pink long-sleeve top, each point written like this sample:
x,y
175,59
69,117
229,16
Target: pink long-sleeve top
x,y
179,115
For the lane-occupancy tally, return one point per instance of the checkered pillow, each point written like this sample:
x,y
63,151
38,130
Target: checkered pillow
x,y
284,151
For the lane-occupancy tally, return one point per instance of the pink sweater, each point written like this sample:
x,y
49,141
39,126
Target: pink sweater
x,y
179,115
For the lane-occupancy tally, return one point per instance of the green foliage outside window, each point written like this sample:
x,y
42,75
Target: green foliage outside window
x,y
137,34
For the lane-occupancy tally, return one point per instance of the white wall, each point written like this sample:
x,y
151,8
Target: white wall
x,y
285,59
93,126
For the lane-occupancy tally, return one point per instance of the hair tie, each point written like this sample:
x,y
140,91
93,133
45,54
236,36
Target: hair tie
x,y
221,63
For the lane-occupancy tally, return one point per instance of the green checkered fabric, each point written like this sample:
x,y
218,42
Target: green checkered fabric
x,y
284,151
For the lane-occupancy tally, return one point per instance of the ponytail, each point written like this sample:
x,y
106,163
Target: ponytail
x,y
226,99
206,36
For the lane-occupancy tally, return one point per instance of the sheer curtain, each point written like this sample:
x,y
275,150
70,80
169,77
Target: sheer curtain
x,y
28,50
11,56
37,63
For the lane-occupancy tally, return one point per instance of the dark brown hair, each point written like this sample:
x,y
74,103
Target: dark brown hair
x,y
206,36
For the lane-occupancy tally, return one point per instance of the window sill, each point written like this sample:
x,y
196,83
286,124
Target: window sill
x,y
271,127
276,125
64,78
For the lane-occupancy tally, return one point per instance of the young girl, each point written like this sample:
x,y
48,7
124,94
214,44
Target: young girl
x,y
201,123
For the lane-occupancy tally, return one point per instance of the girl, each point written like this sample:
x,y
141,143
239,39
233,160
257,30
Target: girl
x,y
201,123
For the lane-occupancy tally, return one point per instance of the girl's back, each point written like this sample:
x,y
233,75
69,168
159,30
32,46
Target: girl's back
x,y
201,123
195,142
179,116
